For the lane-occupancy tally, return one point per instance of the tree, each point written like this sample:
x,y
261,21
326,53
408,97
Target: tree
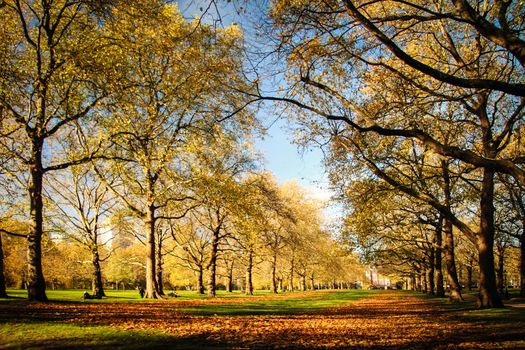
x,y
81,204
54,75
351,58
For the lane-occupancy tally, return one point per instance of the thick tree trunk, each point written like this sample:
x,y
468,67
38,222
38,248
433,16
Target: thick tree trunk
x,y
3,291
249,267
455,287
212,264
152,290
36,285
97,286
488,294
200,280
302,282
440,288
274,273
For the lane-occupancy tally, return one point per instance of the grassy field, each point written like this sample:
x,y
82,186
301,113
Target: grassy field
x,y
321,319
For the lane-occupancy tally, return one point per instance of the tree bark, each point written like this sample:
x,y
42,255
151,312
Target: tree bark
x,y
36,285
302,282
212,264
274,273
159,269
522,262
470,269
500,254
312,281
229,279
450,259
249,268
3,291
152,289
488,294
200,280
430,272
440,288
290,280
97,286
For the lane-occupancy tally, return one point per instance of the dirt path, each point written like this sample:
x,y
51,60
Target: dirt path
x,y
387,320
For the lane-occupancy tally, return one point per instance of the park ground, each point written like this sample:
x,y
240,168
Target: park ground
x,y
321,319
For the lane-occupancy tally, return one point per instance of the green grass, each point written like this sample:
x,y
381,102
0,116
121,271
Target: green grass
x,y
287,304
40,335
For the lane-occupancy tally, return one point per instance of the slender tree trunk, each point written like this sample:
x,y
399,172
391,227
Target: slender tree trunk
x,y
312,281
455,287
36,284
97,286
159,269
229,279
522,262
431,269
424,281
500,254
200,280
448,247
470,268
3,291
290,281
249,267
440,288
212,264
488,294
274,272
152,290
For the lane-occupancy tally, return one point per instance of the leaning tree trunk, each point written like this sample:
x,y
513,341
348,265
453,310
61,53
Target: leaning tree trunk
x,y
97,286
488,294
36,285
212,264
3,291
249,268
438,265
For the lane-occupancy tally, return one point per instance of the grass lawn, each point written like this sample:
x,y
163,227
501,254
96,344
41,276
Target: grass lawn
x,y
321,319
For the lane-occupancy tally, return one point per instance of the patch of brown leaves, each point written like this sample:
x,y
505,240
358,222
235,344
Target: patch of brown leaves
x,y
385,320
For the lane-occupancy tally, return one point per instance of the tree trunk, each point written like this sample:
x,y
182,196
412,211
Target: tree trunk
x,y
274,272
469,272
438,265
448,247
290,280
431,270
249,267
212,264
500,254
159,270
424,281
200,280
312,281
302,283
229,279
36,285
3,291
97,286
522,263
455,287
152,290
488,294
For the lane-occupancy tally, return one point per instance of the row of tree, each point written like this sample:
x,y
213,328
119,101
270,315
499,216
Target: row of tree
x,y
423,104
116,120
